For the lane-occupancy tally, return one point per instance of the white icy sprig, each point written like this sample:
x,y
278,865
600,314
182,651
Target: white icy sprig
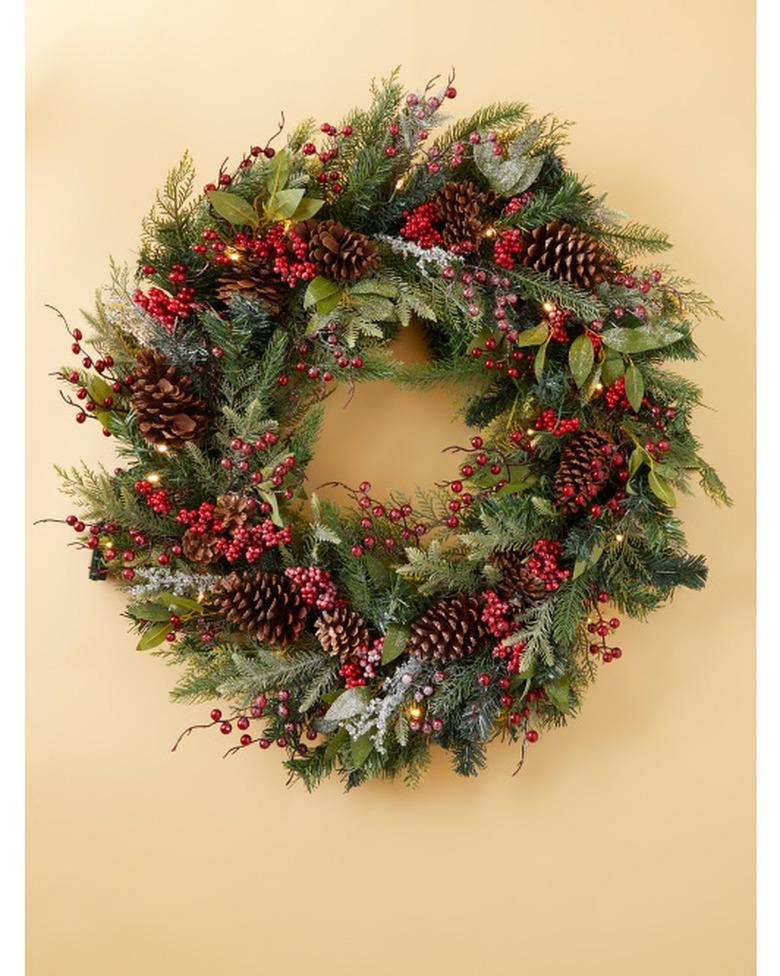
x,y
396,689
424,256
157,578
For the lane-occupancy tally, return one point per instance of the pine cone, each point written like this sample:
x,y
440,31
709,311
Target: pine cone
x,y
583,470
568,254
255,279
341,631
231,511
200,547
449,629
262,604
517,583
167,410
337,252
459,206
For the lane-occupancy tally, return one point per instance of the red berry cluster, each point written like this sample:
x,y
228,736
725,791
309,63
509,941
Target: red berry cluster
x,y
156,498
544,563
382,525
510,654
364,665
549,421
422,108
495,614
161,305
508,246
502,356
315,586
251,541
329,339
602,628
558,319
421,227
281,249
515,204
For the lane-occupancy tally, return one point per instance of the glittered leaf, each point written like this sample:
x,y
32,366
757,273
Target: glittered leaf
x,y
539,360
641,339
350,703
581,359
635,387
361,750
533,337
319,291
395,643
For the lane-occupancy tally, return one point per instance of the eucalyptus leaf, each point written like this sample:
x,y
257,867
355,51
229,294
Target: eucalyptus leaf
x,y
533,337
661,488
612,369
635,387
539,360
336,742
232,207
149,611
395,643
581,357
319,290
643,338
559,693
153,635
183,602
361,749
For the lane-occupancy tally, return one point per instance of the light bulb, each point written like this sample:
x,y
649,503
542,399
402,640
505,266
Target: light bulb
x,y
153,477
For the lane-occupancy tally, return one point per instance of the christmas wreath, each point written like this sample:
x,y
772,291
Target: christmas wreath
x,y
353,638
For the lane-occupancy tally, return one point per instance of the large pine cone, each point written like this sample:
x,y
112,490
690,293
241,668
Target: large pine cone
x,y
459,206
341,631
167,410
262,604
255,279
450,629
568,254
200,547
337,252
517,583
583,470
231,511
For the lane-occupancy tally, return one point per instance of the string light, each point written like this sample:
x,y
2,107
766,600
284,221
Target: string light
x,y
233,254
599,387
401,182
619,537
548,307
489,232
201,596
415,712
161,448
153,477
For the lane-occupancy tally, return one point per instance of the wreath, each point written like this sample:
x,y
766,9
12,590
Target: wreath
x,y
354,637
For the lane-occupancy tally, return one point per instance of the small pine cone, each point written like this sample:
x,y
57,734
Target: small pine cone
x,y
337,252
255,279
517,583
231,511
459,206
450,629
568,254
262,604
341,631
167,410
583,470
200,547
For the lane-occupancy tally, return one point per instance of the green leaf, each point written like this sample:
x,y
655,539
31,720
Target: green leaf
x,y
361,750
276,515
232,207
319,290
336,742
149,611
559,693
612,369
533,337
284,203
641,339
98,390
636,460
661,488
539,361
180,601
581,359
308,207
350,703
519,480
153,635
395,643
278,172
635,387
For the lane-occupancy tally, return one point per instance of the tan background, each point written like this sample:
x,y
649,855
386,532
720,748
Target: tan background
x,y
626,844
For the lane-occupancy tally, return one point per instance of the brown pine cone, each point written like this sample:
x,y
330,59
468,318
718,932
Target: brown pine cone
x,y
583,470
231,511
255,279
568,254
517,583
459,206
450,629
262,604
200,547
337,252
167,410
341,631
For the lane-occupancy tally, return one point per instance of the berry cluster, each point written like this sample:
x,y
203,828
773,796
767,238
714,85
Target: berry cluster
x,y
333,345
509,245
544,563
422,109
315,586
549,421
156,498
364,665
558,319
602,628
161,305
420,226
496,614
251,541
516,204
382,525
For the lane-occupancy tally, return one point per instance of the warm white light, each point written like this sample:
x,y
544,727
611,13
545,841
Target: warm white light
x,y
153,477
233,254
548,307
619,537
599,387
161,448
415,713
490,232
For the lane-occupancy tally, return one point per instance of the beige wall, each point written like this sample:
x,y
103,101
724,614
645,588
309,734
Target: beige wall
x,y
625,847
